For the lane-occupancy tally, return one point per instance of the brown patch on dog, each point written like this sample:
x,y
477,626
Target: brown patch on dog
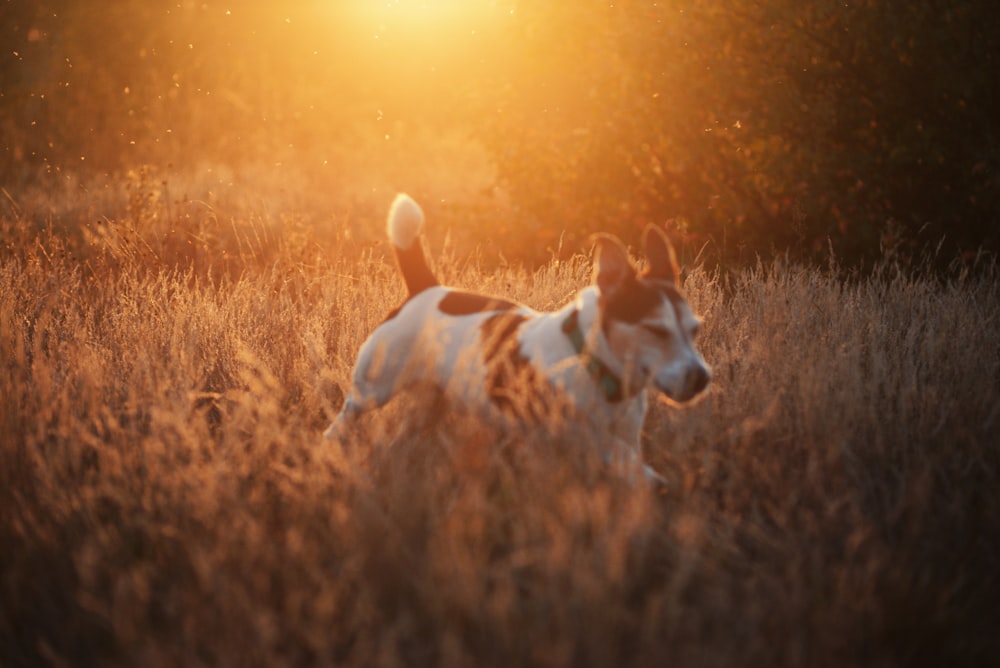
x,y
637,298
468,303
392,314
413,265
512,382
632,301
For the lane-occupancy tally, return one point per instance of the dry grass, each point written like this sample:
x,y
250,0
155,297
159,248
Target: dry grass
x,y
165,498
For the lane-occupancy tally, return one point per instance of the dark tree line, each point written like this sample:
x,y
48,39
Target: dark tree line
x,y
765,125
747,126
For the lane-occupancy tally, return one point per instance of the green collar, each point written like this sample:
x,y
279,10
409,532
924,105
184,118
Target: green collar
x,y
609,383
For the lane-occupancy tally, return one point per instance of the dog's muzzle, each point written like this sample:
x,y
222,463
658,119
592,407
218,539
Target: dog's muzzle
x,y
695,380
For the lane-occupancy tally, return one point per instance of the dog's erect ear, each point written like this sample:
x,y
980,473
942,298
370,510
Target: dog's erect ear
x,y
611,265
660,253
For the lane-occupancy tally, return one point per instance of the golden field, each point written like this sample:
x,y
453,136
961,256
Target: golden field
x,y
167,498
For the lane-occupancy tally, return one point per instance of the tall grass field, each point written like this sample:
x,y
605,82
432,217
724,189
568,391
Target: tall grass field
x,y
167,499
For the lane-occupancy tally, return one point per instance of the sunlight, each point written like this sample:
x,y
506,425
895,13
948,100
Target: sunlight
x,y
419,10
437,17
442,36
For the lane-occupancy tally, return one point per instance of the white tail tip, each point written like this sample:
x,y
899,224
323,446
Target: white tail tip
x,y
405,220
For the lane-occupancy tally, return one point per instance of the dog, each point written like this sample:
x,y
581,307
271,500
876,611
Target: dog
x,y
628,334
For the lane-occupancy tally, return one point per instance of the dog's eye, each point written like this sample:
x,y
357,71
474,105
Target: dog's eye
x,y
659,332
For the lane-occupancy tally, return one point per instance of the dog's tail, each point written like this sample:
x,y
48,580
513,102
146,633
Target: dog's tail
x,y
405,221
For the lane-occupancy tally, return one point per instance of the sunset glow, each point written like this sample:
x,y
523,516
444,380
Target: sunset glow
x,y
435,14
420,26
738,130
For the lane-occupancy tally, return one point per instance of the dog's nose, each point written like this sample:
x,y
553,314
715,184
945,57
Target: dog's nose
x,y
697,379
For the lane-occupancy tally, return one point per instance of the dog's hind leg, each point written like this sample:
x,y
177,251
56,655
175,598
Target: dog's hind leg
x,y
344,432
376,377
363,397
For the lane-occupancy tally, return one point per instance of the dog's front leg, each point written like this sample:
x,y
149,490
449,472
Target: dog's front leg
x,y
626,455
653,478
346,419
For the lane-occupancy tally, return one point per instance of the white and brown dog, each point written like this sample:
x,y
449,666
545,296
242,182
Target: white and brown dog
x,y
598,355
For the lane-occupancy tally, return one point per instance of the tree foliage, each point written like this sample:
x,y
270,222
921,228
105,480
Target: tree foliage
x,y
760,125
748,126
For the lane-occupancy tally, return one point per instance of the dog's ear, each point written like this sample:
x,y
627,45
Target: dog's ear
x,y
661,256
611,264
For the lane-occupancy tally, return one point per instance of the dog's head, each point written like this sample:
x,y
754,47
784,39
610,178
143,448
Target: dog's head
x,y
648,324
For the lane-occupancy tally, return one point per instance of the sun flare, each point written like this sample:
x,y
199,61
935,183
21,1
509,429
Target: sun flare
x,y
437,17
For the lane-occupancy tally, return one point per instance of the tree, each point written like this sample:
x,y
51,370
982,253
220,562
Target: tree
x,y
758,125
